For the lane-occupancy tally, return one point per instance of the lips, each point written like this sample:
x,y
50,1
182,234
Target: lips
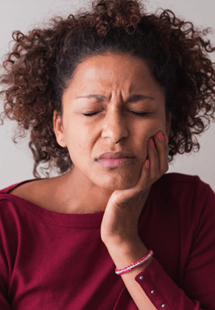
x,y
111,155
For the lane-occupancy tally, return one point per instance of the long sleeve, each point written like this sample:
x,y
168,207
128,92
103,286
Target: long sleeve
x,y
52,261
4,305
197,277
5,268
162,290
39,249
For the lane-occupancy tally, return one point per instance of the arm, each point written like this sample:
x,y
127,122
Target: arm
x,y
151,288
124,256
4,305
125,247
119,229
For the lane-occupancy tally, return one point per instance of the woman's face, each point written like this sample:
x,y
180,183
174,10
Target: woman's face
x,y
113,88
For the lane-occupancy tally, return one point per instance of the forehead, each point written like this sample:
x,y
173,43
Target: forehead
x,y
114,70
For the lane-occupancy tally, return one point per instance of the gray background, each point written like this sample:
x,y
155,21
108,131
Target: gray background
x,y
16,162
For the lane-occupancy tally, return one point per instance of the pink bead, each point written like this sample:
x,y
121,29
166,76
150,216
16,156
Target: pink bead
x,y
136,264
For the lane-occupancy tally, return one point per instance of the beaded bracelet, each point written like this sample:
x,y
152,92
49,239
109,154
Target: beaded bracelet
x,y
136,264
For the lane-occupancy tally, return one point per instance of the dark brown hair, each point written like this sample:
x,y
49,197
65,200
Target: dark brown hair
x,y
42,62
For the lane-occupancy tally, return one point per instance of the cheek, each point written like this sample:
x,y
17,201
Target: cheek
x,y
78,141
151,128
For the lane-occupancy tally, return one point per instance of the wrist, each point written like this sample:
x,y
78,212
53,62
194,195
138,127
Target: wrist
x,y
123,242
128,253
141,262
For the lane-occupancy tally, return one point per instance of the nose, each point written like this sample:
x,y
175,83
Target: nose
x,y
114,125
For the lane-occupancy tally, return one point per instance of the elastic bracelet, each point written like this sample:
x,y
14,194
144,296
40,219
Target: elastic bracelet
x,y
140,262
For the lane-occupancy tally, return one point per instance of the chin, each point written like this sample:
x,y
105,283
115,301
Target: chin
x,y
119,185
115,180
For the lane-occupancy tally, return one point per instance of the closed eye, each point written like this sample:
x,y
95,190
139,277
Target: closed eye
x,y
133,112
140,113
90,114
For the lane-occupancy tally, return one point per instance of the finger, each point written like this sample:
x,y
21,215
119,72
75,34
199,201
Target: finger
x,y
153,161
161,142
144,177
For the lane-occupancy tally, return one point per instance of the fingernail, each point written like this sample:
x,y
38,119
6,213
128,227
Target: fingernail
x,y
160,136
147,164
151,143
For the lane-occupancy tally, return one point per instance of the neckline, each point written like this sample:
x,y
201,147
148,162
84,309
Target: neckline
x,y
82,220
86,220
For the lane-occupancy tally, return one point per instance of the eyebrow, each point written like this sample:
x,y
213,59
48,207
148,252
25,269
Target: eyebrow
x,y
95,96
131,99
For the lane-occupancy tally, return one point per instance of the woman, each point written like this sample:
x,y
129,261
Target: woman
x,y
107,97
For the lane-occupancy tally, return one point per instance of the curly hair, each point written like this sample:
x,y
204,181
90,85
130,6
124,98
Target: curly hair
x,y
43,61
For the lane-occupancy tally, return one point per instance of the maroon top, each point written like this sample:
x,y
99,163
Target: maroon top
x,y
52,261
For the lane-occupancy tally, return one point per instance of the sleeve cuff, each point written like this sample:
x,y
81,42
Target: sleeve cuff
x,y
162,290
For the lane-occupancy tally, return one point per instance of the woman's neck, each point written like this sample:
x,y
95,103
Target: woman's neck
x,y
75,194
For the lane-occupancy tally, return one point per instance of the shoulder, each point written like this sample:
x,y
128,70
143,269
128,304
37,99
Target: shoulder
x,y
182,189
18,189
31,193
23,192
10,201
183,182
181,178
185,192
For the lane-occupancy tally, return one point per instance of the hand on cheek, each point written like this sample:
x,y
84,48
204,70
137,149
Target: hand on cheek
x,y
157,162
120,220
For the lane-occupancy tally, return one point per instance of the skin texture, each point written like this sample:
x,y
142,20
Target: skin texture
x,y
114,78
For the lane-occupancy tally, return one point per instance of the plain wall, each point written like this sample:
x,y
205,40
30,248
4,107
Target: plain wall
x,y
16,162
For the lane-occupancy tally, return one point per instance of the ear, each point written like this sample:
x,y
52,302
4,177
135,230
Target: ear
x,y
58,129
168,123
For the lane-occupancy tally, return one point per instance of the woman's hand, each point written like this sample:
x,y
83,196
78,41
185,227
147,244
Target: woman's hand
x,y
120,220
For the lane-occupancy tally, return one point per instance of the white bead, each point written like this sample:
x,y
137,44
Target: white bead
x,y
141,277
152,291
163,305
